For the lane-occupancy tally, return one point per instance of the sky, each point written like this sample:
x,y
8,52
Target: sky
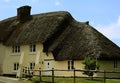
x,y
103,15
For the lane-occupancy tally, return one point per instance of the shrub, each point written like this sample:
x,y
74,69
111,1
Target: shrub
x,y
90,64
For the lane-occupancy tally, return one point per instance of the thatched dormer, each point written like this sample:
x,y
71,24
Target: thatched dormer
x,y
60,34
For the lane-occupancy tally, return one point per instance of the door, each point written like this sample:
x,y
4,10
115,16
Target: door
x,y
48,66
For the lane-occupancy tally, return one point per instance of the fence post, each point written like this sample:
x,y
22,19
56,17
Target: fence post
x,y
40,74
23,72
29,75
26,72
104,76
74,76
52,75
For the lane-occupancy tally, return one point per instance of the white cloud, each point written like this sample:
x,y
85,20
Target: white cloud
x,y
57,3
111,30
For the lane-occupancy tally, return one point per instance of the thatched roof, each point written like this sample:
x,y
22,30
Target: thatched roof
x,y
60,34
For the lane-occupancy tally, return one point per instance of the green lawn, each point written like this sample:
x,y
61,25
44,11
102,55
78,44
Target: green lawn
x,y
71,80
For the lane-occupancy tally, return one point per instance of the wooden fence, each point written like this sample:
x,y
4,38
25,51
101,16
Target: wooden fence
x,y
30,73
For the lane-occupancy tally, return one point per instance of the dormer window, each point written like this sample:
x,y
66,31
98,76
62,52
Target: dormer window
x,y
33,48
16,49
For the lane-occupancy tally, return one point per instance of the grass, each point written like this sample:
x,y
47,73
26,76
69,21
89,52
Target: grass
x,y
71,80
113,80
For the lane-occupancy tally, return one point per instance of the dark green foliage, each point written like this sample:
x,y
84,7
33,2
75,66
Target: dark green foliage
x,y
90,64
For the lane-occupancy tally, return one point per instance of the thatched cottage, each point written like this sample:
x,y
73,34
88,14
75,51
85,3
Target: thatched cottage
x,y
52,40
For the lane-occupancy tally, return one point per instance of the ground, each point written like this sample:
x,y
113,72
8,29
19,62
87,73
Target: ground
x,y
9,80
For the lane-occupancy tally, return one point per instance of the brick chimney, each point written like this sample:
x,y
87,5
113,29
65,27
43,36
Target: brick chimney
x,y
23,13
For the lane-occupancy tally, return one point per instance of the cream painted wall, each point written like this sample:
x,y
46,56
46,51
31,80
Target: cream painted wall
x,y
27,59
10,59
61,65
2,57
109,66
44,59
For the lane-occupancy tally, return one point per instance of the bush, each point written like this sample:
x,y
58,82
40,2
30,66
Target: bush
x,y
90,64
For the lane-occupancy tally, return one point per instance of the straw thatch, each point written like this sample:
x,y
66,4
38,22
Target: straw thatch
x,y
60,34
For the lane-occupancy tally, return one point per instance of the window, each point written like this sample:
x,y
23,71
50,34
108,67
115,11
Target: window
x,y
32,48
70,65
32,65
115,64
16,65
48,64
16,49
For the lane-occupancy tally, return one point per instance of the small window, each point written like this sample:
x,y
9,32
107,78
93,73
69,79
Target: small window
x,y
16,49
115,64
70,65
32,65
48,64
16,65
32,48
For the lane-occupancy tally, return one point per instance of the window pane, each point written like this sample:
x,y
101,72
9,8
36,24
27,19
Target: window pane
x,y
115,63
16,65
18,49
34,48
68,64
13,49
72,64
30,48
32,65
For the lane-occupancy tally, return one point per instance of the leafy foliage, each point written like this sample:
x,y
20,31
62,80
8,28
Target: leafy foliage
x,y
90,64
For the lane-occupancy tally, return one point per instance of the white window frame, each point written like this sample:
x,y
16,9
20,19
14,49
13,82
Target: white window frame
x,y
70,64
15,49
32,65
32,48
15,66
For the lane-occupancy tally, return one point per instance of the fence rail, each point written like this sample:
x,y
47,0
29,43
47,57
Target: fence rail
x,y
29,73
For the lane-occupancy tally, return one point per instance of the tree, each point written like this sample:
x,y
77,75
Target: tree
x,y
90,64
